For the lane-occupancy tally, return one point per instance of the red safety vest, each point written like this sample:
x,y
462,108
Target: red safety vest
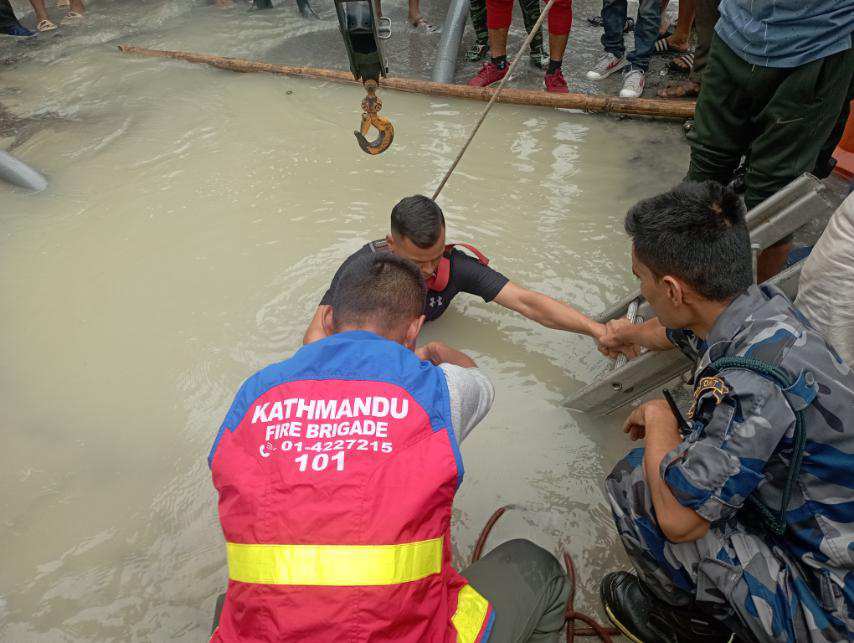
x,y
439,281
336,472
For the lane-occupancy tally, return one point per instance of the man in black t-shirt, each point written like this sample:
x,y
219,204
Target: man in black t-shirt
x,y
418,234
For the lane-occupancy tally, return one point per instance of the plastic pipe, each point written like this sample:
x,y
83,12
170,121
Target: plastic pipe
x,y
449,44
19,173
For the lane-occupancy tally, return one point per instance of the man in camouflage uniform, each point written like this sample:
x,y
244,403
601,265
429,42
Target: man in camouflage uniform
x,y
701,516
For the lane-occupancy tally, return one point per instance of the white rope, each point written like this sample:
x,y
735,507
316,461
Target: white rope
x,y
534,30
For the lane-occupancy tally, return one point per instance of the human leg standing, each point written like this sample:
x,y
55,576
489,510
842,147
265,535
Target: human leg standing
x,y
528,591
480,48
646,33
722,118
613,21
75,13
705,18
793,127
530,15
7,16
9,24
795,123
560,23
43,21
678,40
417,20
823,164
499,13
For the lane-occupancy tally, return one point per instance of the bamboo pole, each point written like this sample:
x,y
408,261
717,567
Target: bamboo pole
x,y
660,108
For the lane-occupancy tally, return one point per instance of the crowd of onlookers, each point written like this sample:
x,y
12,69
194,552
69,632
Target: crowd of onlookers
x,y
73,11
782,36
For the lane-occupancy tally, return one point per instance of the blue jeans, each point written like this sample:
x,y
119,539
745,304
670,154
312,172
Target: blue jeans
x,y
646,30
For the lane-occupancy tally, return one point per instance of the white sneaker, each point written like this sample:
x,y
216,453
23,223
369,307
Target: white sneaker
x,y
606,66
633,83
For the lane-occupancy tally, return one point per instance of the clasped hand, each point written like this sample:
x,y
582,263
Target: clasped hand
x,y
616,340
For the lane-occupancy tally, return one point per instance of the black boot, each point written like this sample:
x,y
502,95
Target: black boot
x,y
644,618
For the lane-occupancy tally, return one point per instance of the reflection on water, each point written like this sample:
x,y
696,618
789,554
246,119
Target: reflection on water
x,y
194,218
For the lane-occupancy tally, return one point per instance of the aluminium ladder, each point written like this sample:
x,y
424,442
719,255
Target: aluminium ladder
x,y
804,199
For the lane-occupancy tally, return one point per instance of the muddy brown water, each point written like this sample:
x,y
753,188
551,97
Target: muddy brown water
x,y
193,219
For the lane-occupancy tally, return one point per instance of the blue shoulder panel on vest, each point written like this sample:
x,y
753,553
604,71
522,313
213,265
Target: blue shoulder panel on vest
x,y
353,355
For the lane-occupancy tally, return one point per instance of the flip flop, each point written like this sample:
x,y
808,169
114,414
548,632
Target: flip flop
x,y
45,25
383,28
63,3
71,19
596,21
423,26
663,45
683,89
683,63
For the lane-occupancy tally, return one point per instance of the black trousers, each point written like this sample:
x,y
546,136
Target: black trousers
x,y
778,118
7,16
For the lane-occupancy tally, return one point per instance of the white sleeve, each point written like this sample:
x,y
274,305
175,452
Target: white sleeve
x,y
471,395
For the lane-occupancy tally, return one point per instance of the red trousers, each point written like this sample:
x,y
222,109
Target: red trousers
x,y
500,12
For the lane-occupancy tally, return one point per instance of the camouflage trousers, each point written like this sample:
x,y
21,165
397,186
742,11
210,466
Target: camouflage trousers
x,y
731,573
530,15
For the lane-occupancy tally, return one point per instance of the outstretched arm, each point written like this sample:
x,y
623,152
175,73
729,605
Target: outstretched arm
x,y
547,311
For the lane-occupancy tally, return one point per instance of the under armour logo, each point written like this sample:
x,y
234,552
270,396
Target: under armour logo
x,y
435,301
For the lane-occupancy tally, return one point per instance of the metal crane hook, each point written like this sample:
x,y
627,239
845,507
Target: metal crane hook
x,y
371,105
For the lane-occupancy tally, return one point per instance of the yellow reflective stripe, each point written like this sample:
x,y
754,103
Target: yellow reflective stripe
x,y
334,564
472,609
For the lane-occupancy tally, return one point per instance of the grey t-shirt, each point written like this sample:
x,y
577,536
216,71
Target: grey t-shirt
x,y
471,395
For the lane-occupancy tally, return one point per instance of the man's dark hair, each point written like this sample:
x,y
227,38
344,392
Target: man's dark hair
x,y
419,219
695,232
382,289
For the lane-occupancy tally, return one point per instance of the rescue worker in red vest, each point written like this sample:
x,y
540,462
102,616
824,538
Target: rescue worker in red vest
x,y
336,471
418,234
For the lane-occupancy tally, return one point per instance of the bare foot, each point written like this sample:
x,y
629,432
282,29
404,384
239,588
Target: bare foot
x,y
682,89
420,24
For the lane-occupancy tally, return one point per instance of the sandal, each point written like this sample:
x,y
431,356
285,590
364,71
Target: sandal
x,y
71,19
45,25
423,26
383,28
682,63
596,21
663,45
683,89
63,3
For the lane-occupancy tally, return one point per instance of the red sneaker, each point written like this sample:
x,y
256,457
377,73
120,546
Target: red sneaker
x,y
488,75
555,83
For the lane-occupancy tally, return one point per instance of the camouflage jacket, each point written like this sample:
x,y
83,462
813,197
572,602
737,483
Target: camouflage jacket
x,y
742,435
